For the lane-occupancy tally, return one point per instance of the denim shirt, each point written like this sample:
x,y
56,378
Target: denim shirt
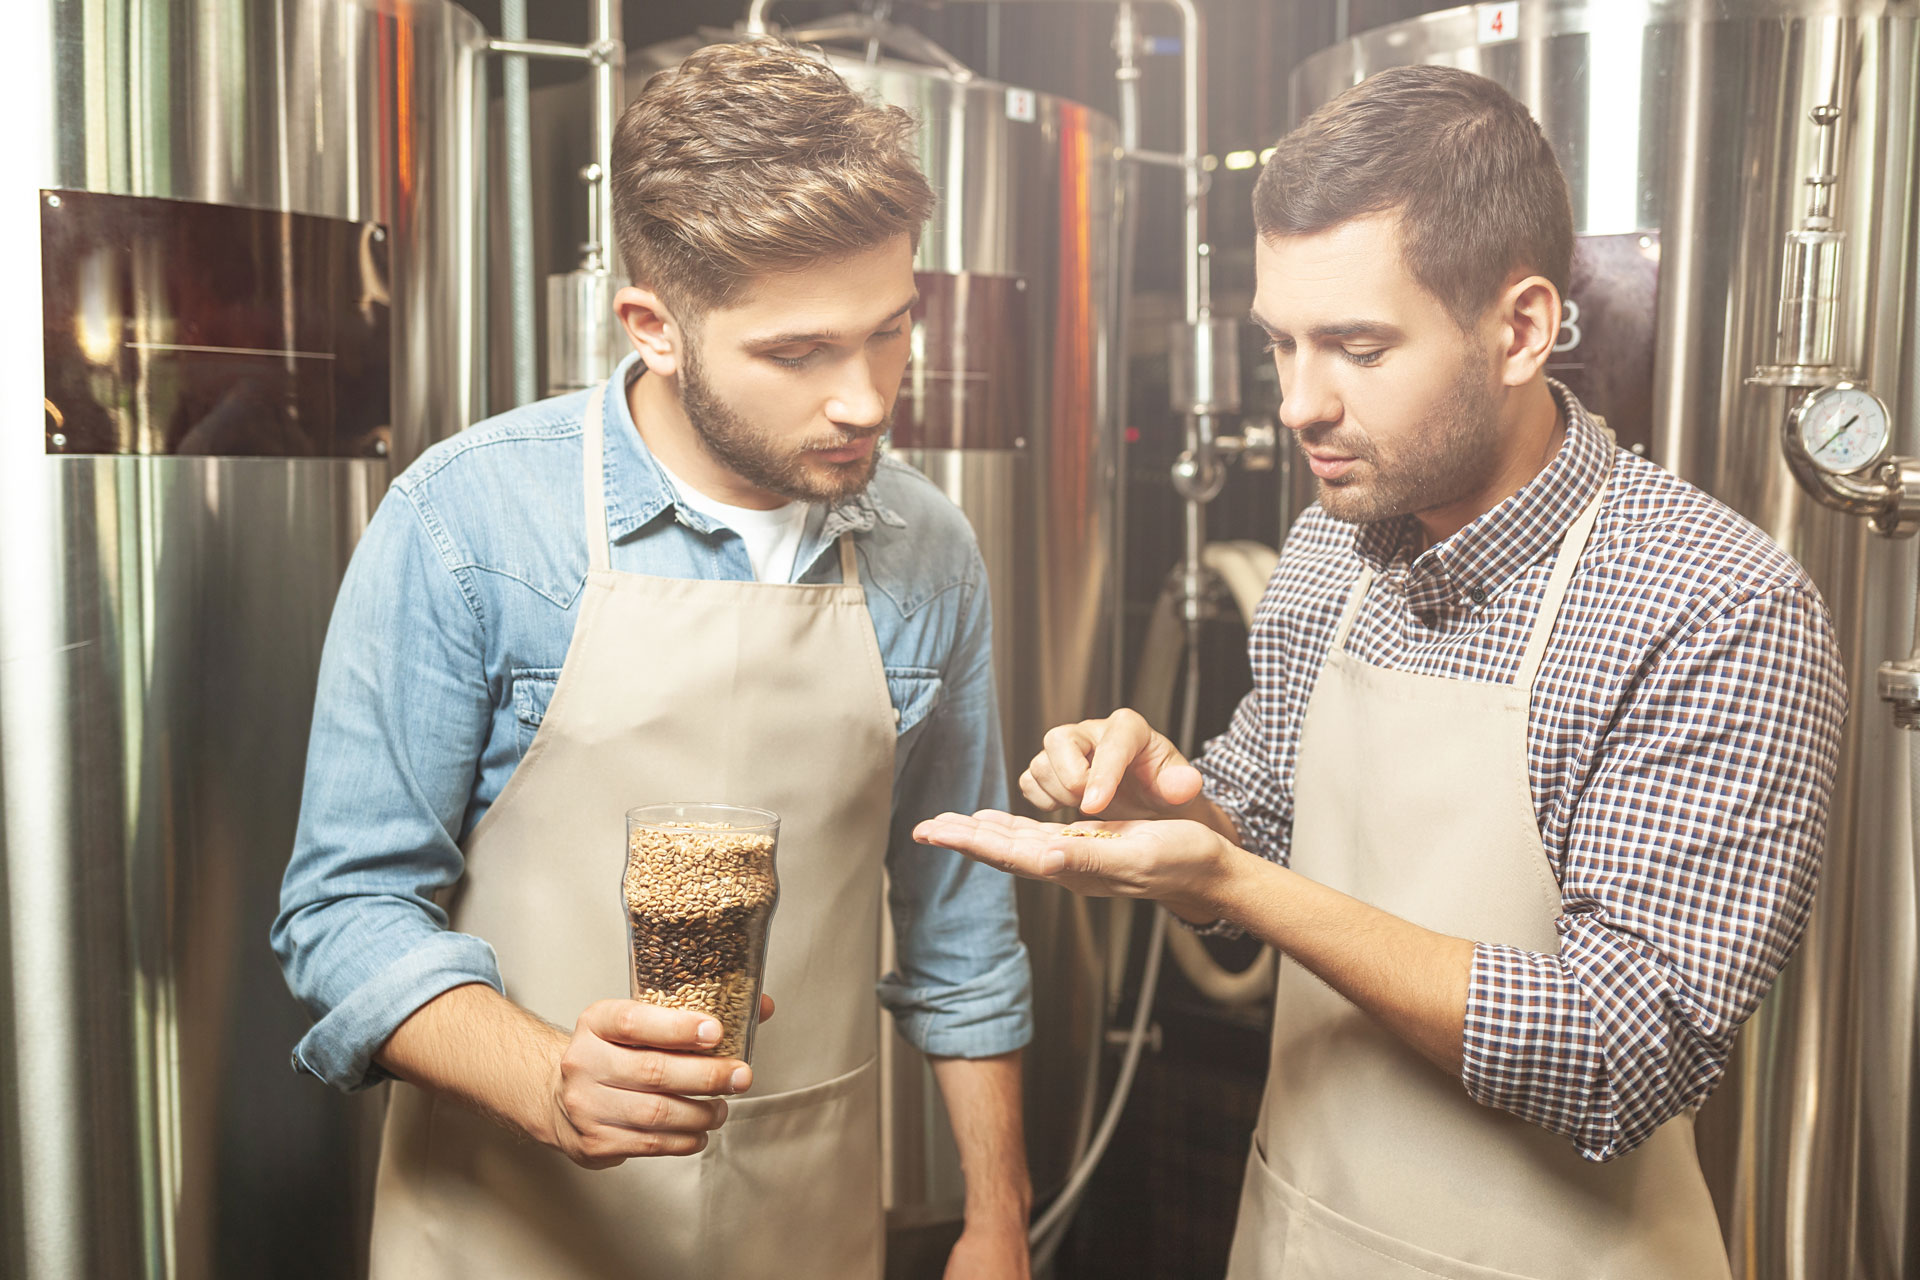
x,y
448,636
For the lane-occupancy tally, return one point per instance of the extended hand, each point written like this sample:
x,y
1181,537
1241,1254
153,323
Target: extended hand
x,y
631,1083
1180,863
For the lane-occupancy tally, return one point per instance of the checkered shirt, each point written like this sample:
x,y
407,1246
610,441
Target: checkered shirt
x,y
1681,746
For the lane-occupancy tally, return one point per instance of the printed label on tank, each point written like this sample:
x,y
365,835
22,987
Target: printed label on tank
x,y
1498,22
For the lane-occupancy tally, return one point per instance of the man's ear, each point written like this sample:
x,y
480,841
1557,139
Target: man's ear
x,y
1528,319
651,327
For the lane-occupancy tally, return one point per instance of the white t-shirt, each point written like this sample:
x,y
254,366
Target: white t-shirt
x,y
772,537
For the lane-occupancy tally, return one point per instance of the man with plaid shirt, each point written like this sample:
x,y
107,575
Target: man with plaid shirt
x,y
1531,788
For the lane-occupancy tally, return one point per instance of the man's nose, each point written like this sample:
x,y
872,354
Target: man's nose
x,y
1307,399
859,401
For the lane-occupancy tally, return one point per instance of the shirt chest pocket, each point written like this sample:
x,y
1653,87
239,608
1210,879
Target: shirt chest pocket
x,y
532,692
915,692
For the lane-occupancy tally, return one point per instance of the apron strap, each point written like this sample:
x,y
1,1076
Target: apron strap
x,y
593,477
1355,598
1571,546
849,562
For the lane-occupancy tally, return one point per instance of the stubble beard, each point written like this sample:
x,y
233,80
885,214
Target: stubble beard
x,y
1450,460
751,454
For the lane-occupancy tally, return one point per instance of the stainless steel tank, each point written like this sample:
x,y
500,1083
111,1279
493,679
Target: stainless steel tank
x,y
1007,407
1684,129
253,228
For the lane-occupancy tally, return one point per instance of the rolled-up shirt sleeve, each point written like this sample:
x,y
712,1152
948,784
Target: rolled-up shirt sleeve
x,y
961,985
400,719
1691,867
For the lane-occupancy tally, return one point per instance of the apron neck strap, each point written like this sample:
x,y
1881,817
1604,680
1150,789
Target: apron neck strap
x,y
1355,598
849,561
593,477
1571,546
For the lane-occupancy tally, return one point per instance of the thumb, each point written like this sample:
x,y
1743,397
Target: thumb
x,y
1165,773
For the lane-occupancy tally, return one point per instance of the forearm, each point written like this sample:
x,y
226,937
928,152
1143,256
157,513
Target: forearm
x,y
1410,979
983,1102
475,1045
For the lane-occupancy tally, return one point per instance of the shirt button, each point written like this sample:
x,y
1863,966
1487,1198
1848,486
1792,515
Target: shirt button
x,y
1478,595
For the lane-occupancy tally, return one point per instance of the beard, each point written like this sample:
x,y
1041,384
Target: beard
x,y
1453,457
751,453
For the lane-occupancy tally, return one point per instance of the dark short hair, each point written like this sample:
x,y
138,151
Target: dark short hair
x,y
753,158
1458,158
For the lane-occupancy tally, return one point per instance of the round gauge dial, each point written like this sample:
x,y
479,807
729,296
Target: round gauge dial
x,y
1843,428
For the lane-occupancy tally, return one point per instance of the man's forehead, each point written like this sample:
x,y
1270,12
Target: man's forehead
x,y
853,293
1351,271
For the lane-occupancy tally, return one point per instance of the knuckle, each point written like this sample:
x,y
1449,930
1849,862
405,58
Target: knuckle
x,y
651,1070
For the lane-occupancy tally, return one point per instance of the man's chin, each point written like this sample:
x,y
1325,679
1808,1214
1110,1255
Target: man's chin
x,y
837,481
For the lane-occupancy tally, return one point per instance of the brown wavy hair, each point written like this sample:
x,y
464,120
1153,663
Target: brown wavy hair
x,y
1474,180
754,158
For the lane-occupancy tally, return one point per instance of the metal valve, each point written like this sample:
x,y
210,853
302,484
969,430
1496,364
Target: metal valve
x,y
1257,447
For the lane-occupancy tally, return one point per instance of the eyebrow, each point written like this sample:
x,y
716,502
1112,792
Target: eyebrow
x,y
1337,329
825,335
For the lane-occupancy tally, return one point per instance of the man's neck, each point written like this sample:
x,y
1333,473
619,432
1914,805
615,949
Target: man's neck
x,y
1533,435
662,421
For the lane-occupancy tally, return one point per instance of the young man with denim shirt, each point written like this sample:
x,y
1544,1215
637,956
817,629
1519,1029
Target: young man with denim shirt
x,y
517,657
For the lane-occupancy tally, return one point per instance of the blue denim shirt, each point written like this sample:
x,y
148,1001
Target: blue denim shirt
x,y
448,635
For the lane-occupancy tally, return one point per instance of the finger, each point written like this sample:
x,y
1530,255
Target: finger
x,y
1038,796
1127,735
766,1006
1068,749
629,1022
1009,850
644,1112
1013,824
1054,794
615,1066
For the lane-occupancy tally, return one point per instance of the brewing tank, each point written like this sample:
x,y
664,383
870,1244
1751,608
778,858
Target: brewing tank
x,y
243,246
1685,128
1006,405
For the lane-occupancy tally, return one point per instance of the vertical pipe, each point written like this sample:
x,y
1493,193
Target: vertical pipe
x,y
519,164
609,60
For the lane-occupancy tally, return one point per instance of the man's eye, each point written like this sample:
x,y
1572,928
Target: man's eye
x,y
886,334
792,361
1283,345
1366,358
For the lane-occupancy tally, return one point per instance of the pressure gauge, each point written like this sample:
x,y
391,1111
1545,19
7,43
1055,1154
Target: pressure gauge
x,y
1843,428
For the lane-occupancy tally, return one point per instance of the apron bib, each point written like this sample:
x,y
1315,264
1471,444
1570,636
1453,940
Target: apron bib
x,y
760,694
1412,794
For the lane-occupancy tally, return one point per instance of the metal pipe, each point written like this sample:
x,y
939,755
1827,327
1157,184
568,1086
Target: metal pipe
x,y
518,149
610,58
541,49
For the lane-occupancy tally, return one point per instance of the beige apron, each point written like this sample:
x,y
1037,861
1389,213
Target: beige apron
x,y
1412,794
677,690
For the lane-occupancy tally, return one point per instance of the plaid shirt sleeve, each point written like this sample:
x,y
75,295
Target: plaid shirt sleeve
x,y
1690,868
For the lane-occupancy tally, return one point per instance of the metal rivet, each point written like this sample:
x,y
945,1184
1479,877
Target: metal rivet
x,y
53,201
379,233
59,439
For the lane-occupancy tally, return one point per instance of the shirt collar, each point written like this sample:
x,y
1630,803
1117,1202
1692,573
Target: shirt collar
x,y
637,492
1480,560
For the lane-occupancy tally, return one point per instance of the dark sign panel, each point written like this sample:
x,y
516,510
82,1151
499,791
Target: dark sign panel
x,y
966,386
1605,351
185,328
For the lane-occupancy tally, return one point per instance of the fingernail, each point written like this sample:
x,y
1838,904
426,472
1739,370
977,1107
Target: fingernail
x,y
709,1031
741,1078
